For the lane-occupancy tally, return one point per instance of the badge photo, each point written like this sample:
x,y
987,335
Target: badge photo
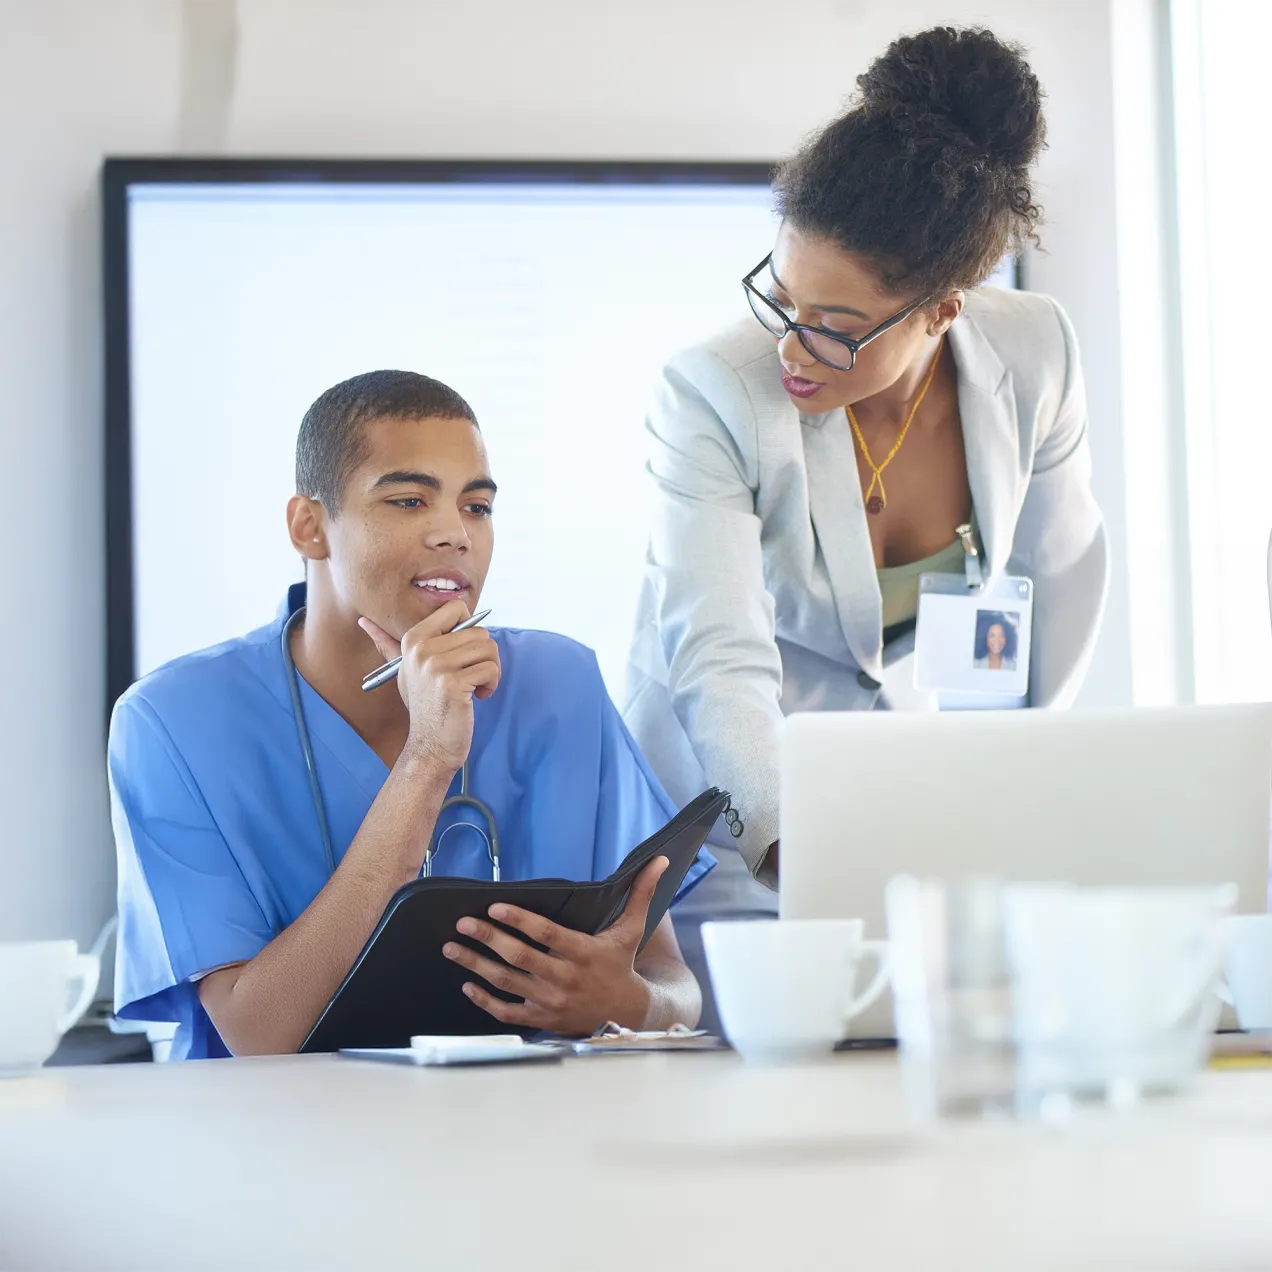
x,y
972,644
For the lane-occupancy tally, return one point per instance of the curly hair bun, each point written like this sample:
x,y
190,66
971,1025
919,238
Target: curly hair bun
x,y
945,125
966,88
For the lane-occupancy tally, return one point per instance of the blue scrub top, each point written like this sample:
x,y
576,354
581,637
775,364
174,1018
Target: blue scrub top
x,y
217,836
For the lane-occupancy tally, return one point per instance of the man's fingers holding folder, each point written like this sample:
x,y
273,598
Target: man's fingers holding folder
x,y
630,925
579,982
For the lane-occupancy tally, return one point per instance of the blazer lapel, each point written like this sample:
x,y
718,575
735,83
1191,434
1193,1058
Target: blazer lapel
x,y
991,439
839,519
991,442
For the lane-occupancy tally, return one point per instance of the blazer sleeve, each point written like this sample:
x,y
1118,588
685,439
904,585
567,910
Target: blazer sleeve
x,y
1061,543
715,616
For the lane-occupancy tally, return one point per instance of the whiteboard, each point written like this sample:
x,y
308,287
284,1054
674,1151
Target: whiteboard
x,y
550,307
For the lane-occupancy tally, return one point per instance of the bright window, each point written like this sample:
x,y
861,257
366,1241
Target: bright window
x,y
1220,78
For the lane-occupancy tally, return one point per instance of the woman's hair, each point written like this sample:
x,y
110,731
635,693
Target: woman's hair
x,y
985,619
927,175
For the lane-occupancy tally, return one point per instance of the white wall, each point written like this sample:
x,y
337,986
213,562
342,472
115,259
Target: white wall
x,y
80,79
76,81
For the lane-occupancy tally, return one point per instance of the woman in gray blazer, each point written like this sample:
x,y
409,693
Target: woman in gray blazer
x,y
811,461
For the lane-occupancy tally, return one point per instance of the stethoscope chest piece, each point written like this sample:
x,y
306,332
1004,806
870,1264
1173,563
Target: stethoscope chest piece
x,y
470,804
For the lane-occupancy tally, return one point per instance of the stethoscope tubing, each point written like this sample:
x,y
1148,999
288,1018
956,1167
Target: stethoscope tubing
x,y
463,800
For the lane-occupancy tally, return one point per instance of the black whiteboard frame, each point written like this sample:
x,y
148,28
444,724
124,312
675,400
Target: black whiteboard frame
x,y
120,175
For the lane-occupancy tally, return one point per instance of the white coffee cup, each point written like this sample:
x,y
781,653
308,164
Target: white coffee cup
x,y
784,988
36,979
1247,984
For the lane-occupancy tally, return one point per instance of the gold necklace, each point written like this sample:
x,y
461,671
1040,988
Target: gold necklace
x,y
875,504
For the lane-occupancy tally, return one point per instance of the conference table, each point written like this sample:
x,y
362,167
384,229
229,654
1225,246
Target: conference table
x,y
657,1161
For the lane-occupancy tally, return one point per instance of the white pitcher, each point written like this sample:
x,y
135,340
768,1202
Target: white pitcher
x,y
36,983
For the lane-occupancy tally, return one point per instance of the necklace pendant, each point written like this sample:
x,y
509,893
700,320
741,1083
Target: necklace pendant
x,y
874,505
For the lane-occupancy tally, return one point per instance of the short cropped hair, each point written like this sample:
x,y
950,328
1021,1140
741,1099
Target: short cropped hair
x,y
332,441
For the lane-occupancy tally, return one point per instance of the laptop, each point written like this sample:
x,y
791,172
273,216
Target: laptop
x,y
1132,796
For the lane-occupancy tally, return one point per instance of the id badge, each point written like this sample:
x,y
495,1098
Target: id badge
x,y
971,646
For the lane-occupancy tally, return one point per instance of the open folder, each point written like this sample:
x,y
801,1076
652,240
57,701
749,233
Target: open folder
x,y
401,984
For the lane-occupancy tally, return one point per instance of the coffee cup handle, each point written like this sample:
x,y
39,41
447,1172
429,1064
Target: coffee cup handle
x,y
876,987
87,970
1211,982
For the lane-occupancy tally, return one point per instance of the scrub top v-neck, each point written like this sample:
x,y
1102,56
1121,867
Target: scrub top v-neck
x,y
217,836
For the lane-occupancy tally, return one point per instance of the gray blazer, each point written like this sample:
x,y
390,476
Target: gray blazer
x,y
760,596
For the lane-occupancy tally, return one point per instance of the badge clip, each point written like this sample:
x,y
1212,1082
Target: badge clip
x,y
971,558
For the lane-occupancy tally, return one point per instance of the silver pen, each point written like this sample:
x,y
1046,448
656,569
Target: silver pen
x,y
382,675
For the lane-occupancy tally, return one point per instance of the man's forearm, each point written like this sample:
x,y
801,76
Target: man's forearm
x,y
269,1004
674,994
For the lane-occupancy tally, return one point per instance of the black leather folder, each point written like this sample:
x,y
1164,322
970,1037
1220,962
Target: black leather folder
x,y
401,984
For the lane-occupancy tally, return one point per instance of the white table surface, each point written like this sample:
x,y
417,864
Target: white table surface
x,y
648,1162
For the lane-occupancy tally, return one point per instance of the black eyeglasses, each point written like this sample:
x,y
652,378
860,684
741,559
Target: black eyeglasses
x,y
830,348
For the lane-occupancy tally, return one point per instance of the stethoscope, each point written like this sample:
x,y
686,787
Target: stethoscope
x,y
463,800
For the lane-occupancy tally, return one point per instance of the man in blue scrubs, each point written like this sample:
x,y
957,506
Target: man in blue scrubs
x,y
232,921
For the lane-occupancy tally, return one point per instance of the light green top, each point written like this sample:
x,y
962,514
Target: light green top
x,y
899,584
